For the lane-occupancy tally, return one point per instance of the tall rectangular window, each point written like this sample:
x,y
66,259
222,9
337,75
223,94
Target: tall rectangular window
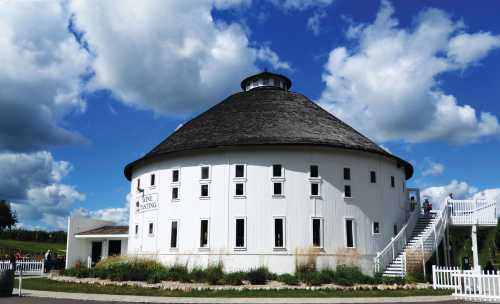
x,y
314,171
279,232
347,191
138,184
205,172
152,179
373,177
204,233
393,182
278,188
239,189
173,234
240,233
376,228
239,171
277,171
317,232
151,228
314,189
175,176
347,173
175,193
350,233
395,229
204,190
136,229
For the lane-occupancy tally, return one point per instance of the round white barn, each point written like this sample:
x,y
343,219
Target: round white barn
x,y
266,178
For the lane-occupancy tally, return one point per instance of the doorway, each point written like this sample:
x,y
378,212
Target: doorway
x,y
96,251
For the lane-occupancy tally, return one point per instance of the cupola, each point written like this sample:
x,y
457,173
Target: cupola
x,y
266,80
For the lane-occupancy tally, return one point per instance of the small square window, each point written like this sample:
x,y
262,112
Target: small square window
x,y
347,191
205,172
151,228
393,182
277,171
204,190
175,176
314,189
376,228
152,179
239,171
314,171
277,188
175,193
373,177
347,173
239,189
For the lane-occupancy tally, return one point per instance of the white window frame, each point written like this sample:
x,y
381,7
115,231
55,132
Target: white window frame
x,y
350,187
138,184
244,177
314,178
283,218
209,173
282,171
321,231
178,176
319,189
177,239
373,228
155,178
282,189
354,232
149,230
350,173
244,190
244,247
370,177
208,189
208,234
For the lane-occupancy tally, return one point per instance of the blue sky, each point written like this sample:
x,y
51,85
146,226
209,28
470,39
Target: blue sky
x,y
90,86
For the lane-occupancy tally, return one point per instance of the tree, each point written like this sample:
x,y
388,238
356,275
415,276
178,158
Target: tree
x,y
7,216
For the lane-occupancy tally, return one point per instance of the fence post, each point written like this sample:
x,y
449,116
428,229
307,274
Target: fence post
x,y
20,282
434,282
43,267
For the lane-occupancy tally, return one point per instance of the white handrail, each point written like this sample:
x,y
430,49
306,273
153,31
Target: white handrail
x,y
397,243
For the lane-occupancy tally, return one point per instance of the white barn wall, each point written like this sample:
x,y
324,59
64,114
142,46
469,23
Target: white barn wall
x,y
370,202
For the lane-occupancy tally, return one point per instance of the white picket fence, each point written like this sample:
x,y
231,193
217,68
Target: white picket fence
x,y
28,267
476,285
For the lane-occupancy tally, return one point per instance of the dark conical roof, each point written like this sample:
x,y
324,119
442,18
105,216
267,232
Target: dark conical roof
x,y
264,116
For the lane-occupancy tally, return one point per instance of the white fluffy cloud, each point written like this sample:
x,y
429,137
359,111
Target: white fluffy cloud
x,y
386,84
432,168
314,22
168,56
33,182
41,65
300,4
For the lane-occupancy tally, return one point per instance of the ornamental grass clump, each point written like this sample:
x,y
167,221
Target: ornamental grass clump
x,y
259,276
235,278
214,274
288,279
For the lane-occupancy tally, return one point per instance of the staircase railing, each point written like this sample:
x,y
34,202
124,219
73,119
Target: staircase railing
x,y
397,243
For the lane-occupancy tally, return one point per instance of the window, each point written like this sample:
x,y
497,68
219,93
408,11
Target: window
x,y
136,229
347,173
395,229
347,191
239,171
278,188
205,172
152,180
138,184
151,229
373,177
314,171
175,176
350,233
317,232
175,193
277,171
204,233
279,233
314,189
204,190
393,182
239,189
376,228
173,234
240,233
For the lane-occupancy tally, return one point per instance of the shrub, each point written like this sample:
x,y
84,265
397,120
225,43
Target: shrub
x,y
327,276
393,280
288,279
198,275
235,278
350,275
313,278
214,274
258,276
178,273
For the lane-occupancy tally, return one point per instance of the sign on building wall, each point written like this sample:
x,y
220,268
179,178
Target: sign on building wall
x,y
147,202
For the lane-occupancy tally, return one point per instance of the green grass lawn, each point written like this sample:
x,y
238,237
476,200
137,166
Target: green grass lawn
x,y
49,285
7,246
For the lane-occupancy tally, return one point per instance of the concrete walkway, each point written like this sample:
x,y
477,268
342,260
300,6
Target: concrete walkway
x,y
149,299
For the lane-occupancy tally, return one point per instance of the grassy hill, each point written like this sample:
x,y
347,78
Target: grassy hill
x,y
9,246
